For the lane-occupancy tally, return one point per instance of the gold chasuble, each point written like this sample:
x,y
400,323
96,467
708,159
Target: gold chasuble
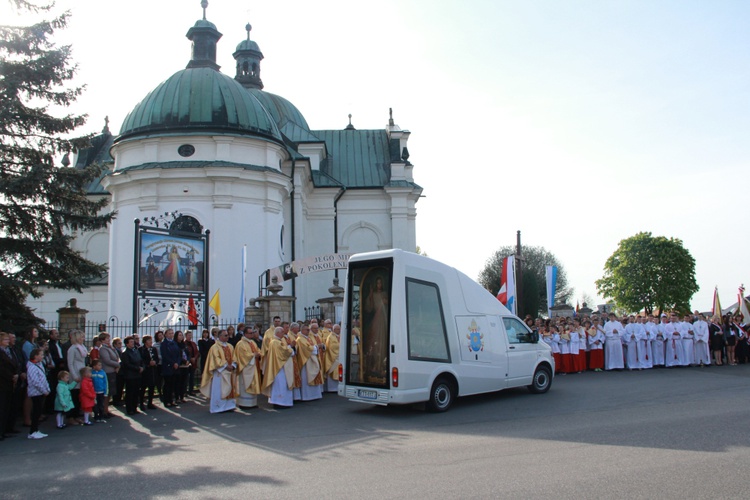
x,y
267,338
218,356
295,361
247,367
332,356
307,360
324,333
279,357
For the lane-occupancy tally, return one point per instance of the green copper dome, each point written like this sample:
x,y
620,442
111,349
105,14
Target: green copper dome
x,y
247,45
200,99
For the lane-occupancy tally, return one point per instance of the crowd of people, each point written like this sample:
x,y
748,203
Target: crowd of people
x,y
233,366
641,342
297,362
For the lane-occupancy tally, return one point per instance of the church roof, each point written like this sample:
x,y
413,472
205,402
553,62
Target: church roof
x,y
97,152
288,118
356,158
202,99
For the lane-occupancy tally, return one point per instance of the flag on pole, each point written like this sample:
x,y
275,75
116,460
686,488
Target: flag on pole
x,y
742,305
215,303
507,293
192,313
241,312
551,272
716,309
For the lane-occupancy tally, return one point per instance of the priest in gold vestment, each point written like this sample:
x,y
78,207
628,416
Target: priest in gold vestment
x,y
219,380
331,365
310,349
278,380
247,354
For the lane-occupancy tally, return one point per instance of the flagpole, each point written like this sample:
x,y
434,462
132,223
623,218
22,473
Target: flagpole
x,y
241,312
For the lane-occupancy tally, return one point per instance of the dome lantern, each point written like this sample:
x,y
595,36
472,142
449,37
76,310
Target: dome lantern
x,y
248,57
204,36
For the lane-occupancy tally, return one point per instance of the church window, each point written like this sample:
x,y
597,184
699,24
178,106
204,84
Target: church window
x,y
186,150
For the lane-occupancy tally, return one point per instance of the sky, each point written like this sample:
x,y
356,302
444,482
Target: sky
x,y
579,123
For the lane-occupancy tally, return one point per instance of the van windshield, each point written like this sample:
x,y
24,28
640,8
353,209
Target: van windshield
x,y
369,312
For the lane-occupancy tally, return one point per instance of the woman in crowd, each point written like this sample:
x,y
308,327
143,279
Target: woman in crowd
x,y
150,356
716,339
191,348
182,373
204,345
76,360
119,375
158,339
741,349
110,360
730,336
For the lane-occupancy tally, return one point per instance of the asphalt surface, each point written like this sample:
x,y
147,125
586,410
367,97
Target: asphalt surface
x,y
666,433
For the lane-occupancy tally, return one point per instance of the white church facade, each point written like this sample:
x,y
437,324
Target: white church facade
x,y
220,154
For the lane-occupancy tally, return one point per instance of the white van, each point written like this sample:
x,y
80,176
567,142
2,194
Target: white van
x,y
416,330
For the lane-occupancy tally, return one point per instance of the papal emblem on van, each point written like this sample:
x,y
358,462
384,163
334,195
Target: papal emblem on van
x,y
475,338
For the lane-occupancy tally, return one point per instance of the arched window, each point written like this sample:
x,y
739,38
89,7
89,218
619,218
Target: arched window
x,y
186,224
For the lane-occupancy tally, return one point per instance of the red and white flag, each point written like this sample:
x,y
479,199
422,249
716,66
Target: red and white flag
x,y
507,293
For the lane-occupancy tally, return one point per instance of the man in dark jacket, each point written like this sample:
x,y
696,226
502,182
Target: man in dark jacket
x,y
132,367
170,362
59,363
8,380
150,356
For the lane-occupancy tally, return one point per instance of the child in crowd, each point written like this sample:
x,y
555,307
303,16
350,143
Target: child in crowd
x,y
100,388
37,390
63,400
94,353
88,395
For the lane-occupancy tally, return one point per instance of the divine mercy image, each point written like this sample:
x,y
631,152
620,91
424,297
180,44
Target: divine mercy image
x,y
171,263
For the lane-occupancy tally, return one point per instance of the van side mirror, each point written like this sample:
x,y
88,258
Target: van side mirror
x,y
534,337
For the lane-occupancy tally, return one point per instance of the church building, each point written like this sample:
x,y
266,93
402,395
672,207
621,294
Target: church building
x,y
209,154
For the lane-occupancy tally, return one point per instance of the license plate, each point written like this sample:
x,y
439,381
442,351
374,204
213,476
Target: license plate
x,y
365,394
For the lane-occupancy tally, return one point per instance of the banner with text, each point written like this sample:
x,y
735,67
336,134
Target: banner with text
x,y
299,267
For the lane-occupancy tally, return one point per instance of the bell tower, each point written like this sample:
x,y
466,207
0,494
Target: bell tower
x,y
248,57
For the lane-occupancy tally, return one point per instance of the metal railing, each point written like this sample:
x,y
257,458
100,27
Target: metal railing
x,y
122,329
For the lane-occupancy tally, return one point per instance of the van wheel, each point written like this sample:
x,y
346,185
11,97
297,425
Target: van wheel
x,y
441,396
542,380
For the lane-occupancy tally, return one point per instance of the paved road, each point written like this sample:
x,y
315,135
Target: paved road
x,y
679,433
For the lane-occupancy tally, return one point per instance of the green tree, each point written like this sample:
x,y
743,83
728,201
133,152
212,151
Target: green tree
x,y
42,205
649,273
534,282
